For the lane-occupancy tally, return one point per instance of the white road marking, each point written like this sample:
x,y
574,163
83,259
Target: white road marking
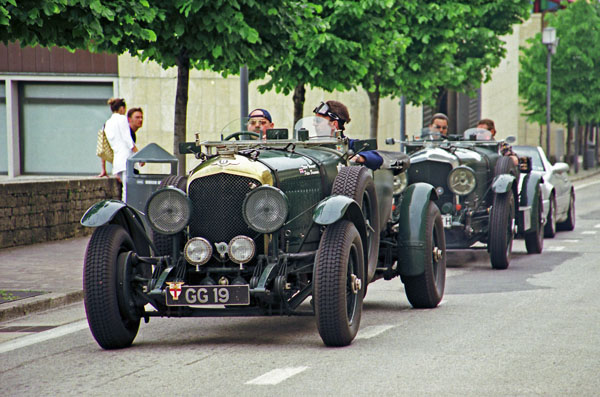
x,y
586,185
43,336
276,376
589,232
557,248
597,226
570,241
372,331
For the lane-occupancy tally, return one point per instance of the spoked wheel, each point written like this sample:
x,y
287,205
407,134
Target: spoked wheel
x,y
569,223
338,283
427,289
357,183
164,242
501,232
112,313
534,240
550,226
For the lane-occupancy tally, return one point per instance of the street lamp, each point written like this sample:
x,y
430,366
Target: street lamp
x,y
550,40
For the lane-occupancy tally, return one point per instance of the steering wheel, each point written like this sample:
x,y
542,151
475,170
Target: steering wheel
x,y
239,135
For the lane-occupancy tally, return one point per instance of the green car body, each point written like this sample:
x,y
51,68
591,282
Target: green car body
x,y
263,226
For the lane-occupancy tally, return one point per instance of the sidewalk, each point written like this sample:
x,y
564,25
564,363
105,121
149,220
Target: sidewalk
x,y
43,276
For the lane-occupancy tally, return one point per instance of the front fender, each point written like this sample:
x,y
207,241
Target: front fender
x,y
119,213
502,183
529,202
412,232
335,208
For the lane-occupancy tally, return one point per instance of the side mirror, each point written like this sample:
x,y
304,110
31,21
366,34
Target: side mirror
x,y
561,167
510,139
390,141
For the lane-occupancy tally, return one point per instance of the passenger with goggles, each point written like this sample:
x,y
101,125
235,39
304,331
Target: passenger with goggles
x,y
259,121
337,114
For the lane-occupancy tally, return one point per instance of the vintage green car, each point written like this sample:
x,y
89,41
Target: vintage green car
x,y
280,226
483,196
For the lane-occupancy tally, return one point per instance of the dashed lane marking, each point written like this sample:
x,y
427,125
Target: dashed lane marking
x,y
586,185
276,376
589,232
557,248
372,331
43,336
570,241
597,226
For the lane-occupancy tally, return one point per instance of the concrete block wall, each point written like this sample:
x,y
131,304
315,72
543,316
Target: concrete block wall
x,y
35,211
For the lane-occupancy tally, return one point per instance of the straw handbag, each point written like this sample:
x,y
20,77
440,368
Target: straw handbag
x,y
103,149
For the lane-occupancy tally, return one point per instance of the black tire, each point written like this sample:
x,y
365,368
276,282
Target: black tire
x,y
534,241
501,233
164,242
356,182
569,223
550,226
111,326
337,296
505,165
427,290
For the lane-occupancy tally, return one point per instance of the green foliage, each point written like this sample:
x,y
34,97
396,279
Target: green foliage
x,y
575,82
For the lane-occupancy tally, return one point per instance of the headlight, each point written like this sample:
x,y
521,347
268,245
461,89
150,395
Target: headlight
x,y
461,180
241,249
197,251
400,183
169,210
265,209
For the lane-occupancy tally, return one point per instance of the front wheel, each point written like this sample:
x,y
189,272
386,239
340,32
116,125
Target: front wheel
x,y
112,320
501,230
338,283
550,226
427,289
569,223
534,241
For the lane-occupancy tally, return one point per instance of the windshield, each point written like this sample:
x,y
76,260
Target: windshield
x,y
316,127
477,134
429,134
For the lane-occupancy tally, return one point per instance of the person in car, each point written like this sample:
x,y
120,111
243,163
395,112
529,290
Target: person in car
x,y
505,148
259,121
438,127
337,114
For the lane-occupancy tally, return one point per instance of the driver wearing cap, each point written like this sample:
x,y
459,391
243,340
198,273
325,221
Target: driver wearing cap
x,y
259,121
337,114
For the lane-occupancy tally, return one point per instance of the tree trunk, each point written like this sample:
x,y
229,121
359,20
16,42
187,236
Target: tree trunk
x,y
374,109
596,142
299,97
568,157
181,101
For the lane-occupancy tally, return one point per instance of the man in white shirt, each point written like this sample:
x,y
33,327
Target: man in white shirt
x,y
119,136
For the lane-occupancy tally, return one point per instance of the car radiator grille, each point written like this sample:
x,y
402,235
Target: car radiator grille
x,y
217,201
434,173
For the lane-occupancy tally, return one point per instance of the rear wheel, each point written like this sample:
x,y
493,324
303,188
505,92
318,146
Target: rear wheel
x,y
550,226
501,231
534,240
338,283
111,316
569,223
164,242
427,290
356,182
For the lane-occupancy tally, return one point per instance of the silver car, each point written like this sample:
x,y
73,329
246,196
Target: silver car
x,y
557,190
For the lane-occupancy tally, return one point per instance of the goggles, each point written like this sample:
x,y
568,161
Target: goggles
x,y
323,110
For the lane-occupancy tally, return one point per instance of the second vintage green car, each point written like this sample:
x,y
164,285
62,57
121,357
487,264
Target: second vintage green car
x,y
483,196
280,226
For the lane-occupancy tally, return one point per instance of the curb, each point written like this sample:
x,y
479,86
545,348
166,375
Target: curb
x,y
23,307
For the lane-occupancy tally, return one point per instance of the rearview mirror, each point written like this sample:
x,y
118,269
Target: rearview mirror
x,y
561,167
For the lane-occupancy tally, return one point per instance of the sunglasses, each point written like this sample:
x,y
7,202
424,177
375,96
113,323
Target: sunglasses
x,y
323,110
440,127
258,122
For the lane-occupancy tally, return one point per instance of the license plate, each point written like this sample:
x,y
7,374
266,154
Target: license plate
x,y
188,295
447,221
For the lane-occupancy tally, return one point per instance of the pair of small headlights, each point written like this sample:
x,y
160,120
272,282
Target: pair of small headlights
x,y
240,249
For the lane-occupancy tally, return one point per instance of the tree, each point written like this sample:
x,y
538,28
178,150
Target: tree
x,y
204,34
575,85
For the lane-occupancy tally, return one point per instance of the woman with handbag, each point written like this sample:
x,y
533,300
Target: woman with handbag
x,y
118,134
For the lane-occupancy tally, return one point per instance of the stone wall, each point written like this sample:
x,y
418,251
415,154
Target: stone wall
x,y
35,211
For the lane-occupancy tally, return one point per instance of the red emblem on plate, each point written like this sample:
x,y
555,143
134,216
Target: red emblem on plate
x,y
175,289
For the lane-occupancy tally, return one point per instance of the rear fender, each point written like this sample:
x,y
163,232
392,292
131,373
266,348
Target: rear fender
x,y
119,213
502,183
335,208
412,232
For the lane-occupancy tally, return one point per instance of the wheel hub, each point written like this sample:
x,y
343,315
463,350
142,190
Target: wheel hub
x,y
437,254
355,283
